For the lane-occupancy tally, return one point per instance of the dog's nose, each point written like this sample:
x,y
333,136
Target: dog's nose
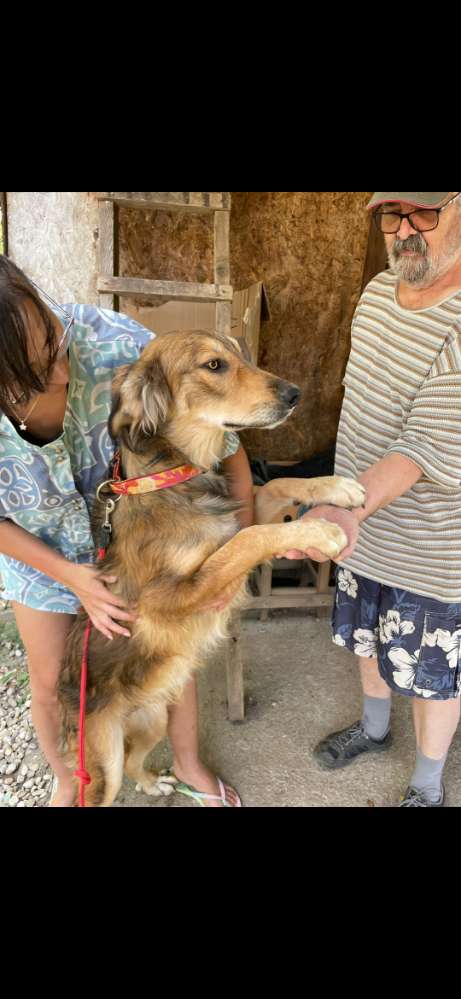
x,y
288,393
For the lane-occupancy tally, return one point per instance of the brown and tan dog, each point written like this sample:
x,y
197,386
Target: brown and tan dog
x,y
174,551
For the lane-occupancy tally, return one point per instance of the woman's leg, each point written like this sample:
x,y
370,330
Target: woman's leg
x,y
184,738
44,635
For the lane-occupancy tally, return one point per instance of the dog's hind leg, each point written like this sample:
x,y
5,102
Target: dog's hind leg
x,y
146,727
104,760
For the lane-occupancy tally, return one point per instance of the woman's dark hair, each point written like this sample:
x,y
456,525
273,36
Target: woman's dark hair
x,y
15,366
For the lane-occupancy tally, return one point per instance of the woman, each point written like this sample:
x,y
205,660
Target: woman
x,y
55,378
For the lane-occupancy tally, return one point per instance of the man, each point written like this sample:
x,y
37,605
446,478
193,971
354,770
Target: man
x,y
398,595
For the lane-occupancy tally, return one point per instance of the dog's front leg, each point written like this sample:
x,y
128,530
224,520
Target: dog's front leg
x,y
334,489
249,548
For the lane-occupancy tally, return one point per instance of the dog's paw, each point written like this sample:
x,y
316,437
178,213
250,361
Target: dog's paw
x,y
328,538
157,785
345,492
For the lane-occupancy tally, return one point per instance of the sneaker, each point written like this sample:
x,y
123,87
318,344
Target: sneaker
x,y
417,799
341,748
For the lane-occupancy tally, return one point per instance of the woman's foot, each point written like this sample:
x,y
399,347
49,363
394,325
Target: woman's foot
x,y
202,780
63,794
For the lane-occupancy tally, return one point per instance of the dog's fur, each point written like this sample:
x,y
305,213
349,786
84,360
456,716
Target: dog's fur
x,y
176,550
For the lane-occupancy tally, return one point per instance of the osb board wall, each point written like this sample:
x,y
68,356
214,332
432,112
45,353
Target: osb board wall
x,y
309,248
53,237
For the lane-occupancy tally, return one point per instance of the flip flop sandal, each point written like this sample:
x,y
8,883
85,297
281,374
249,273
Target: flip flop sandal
x,y
201,796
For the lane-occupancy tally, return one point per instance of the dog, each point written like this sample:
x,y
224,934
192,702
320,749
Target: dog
x,y
176,550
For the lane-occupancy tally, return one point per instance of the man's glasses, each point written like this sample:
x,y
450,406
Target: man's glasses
x,y
420,219
64,340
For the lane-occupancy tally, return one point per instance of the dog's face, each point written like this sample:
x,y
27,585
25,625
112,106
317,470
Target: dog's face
x,y
196,379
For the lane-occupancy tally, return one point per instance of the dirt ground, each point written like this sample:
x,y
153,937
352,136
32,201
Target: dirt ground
x,y
299,686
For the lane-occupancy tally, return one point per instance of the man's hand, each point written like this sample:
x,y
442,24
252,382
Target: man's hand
x,y
336,515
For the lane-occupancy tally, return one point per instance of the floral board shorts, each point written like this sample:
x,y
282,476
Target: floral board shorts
x,y
417,640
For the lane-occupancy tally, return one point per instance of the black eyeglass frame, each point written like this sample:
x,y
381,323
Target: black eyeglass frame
x,y
377,215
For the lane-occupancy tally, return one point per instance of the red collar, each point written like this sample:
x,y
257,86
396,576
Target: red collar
x,y
151,483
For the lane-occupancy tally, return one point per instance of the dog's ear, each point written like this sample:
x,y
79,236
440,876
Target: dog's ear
x,y
234,342
141,399
241,345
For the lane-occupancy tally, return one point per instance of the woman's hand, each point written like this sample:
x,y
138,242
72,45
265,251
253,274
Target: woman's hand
x,y
89,585
336,515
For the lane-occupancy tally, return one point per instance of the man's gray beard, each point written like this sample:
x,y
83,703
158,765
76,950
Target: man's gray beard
x,y
409,269
426,268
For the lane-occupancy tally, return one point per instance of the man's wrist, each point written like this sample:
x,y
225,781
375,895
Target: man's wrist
x,y
320,510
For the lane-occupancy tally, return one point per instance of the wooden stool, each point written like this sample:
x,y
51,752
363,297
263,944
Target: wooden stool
x,y
320,595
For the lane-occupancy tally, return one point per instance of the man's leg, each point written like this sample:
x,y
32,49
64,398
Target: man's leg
x,y
376,700
435,725
355,625
184,737
371,733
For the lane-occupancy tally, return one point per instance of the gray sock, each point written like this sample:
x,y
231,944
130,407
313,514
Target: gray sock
x,y
376,716
427,775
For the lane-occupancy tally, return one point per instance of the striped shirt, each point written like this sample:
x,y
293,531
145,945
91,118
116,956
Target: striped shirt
x,y
403,396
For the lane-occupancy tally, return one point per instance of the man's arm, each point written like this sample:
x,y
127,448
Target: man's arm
x,y
391,477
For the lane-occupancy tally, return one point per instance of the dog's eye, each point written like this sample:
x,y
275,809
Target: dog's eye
x,y
216,365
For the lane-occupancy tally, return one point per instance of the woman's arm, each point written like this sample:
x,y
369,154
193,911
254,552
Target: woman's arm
x,y
86,581
238,473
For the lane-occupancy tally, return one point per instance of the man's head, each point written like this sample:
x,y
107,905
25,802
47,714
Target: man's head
x,y
422,232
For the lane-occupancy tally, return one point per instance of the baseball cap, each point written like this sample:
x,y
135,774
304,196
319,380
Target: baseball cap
x,y
431,199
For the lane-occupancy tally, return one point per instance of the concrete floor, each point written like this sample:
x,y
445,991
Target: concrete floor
x,y
299,687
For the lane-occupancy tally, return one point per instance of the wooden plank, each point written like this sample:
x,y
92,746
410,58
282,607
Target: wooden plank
x,y
290,596
106,248
323,577
265,586
188,201
181,291
221,248
223,318
293,591
234,672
